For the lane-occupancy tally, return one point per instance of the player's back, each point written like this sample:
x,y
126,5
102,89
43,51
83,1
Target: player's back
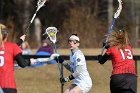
x,y
7,55
122,59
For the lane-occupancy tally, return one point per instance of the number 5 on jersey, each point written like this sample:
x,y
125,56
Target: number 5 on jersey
x,y
1,61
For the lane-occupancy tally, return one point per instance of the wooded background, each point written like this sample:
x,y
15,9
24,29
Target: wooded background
x,y
90,19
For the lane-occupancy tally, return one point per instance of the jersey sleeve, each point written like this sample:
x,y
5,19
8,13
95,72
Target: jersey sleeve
x,y
16,49
80,59
108,51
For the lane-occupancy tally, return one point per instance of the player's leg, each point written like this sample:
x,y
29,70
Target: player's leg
x,y
73,89
76,89
69,88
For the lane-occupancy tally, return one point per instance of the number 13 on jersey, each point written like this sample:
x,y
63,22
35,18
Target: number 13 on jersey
x,y
128,52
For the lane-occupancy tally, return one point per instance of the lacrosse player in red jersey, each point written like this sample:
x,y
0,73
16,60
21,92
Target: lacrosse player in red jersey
x,y
82,82
123,78
8,53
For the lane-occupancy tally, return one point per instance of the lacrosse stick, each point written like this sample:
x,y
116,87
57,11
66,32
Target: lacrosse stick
x,y
40,4
51,32
50,58
116,15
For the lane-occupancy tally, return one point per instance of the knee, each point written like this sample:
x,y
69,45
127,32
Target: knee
x,y
73,91
67,91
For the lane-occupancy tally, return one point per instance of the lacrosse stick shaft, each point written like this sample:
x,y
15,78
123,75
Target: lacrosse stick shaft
x,y
30,22
27,29
33,17
60,70
62,84
109,32
110,29
102,50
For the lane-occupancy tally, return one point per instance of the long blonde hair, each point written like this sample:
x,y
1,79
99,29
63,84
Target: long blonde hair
x,y
120,39
3,34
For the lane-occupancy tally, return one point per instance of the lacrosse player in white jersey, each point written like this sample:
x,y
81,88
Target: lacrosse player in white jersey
x,y
82,82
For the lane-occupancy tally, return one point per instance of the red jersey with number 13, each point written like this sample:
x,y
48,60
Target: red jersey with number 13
x,y
122,60
7,55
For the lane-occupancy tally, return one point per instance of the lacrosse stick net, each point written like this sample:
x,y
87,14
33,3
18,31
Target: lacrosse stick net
x,y
40,4
116,15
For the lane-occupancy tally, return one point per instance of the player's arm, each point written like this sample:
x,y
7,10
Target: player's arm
x,y
65,63
77,71
21,61
73,75
67,66
103,59
21,40
52,57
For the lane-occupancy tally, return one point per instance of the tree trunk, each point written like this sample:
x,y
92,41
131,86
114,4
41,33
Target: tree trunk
x,y
133,27
110,12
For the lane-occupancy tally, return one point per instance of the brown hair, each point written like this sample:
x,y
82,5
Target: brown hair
x,y
120,39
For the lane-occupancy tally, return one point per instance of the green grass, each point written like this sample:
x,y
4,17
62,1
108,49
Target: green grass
x,y
45,79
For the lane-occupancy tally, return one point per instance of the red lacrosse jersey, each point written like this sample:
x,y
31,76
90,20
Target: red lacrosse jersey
x,y
122,60
7,55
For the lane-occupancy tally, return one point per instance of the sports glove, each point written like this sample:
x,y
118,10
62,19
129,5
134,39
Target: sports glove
x,y
67,79
64,80
103,59
60,59
106,45
54,56
99,56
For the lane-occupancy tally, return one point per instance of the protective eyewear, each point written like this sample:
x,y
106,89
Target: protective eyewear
x,y
74,41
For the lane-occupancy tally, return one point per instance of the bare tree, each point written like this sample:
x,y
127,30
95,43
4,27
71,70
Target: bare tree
x,y
83,23
110,11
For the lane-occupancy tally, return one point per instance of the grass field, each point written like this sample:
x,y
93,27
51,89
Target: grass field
x,y
45,79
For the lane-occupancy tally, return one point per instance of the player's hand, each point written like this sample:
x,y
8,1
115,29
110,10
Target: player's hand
x,y
64,80
106,45
99,56
99,59
59,59
23,37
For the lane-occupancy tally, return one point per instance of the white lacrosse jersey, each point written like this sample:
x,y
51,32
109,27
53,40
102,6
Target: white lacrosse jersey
x,y
83,80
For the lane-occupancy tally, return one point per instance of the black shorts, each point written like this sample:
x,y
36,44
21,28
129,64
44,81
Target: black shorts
x,y
9,90
123,82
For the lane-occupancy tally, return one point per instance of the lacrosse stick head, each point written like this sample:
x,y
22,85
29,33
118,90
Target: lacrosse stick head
x,y
116,15
51,32
40,3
